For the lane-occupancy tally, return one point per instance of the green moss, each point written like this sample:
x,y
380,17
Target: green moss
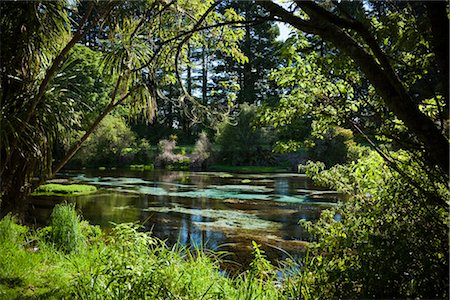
x,y
54,189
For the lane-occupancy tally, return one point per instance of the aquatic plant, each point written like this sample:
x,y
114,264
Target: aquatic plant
x,y
55,189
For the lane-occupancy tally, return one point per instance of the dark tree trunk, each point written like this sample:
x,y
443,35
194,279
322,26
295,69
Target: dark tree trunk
x,y
437,14
15,188
204,75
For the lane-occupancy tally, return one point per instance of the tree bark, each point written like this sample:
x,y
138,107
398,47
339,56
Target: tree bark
x,y
204,75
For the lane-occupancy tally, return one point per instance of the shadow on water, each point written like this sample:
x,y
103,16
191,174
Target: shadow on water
x,y
213,210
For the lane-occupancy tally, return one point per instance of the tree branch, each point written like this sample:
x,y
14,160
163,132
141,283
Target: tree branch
x,y
381,76
71,152
190,32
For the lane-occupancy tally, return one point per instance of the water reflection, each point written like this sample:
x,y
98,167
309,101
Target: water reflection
x,y
214,210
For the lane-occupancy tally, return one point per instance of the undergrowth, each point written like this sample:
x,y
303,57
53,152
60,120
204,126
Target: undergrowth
x,y
74,260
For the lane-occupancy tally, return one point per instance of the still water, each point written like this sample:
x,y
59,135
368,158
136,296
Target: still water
x,y
214,210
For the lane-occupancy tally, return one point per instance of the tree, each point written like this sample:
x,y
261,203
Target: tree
x,y
364,34
262,50
240,143
389,239
138,40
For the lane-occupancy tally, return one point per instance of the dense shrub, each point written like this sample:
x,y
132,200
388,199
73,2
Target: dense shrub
x,y
333,147
240,143
390,240
201,153
144,153
112,143
168,159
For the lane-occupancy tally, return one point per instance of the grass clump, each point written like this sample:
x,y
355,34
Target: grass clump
x,y
54,189
67,232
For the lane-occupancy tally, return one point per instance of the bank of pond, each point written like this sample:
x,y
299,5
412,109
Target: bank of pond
x,y
161,234
71,259
219,211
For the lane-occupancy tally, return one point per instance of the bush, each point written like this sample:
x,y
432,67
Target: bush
x,y
201,153
168,159
66,230
390,240
142,152
240,143
333,147
111,144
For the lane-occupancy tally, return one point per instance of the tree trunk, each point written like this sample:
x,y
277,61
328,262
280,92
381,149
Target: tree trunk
x,y
15,188
204,75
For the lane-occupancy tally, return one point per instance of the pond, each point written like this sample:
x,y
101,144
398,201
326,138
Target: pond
x,y
213,210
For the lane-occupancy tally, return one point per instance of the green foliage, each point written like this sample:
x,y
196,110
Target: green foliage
x,y
260,266
248,82
90,88
240,143
112,143
53,86
142,167
55,189
246,169
66,231
332,147
10,231
128,264
387,241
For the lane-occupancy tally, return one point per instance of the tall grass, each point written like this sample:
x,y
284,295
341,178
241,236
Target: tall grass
x,y
66,229
71,260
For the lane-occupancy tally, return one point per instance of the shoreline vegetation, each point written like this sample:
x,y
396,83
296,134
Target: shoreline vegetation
x,y
73,259
212,168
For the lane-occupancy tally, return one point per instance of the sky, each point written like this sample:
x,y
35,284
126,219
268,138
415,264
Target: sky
x,y
284,31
